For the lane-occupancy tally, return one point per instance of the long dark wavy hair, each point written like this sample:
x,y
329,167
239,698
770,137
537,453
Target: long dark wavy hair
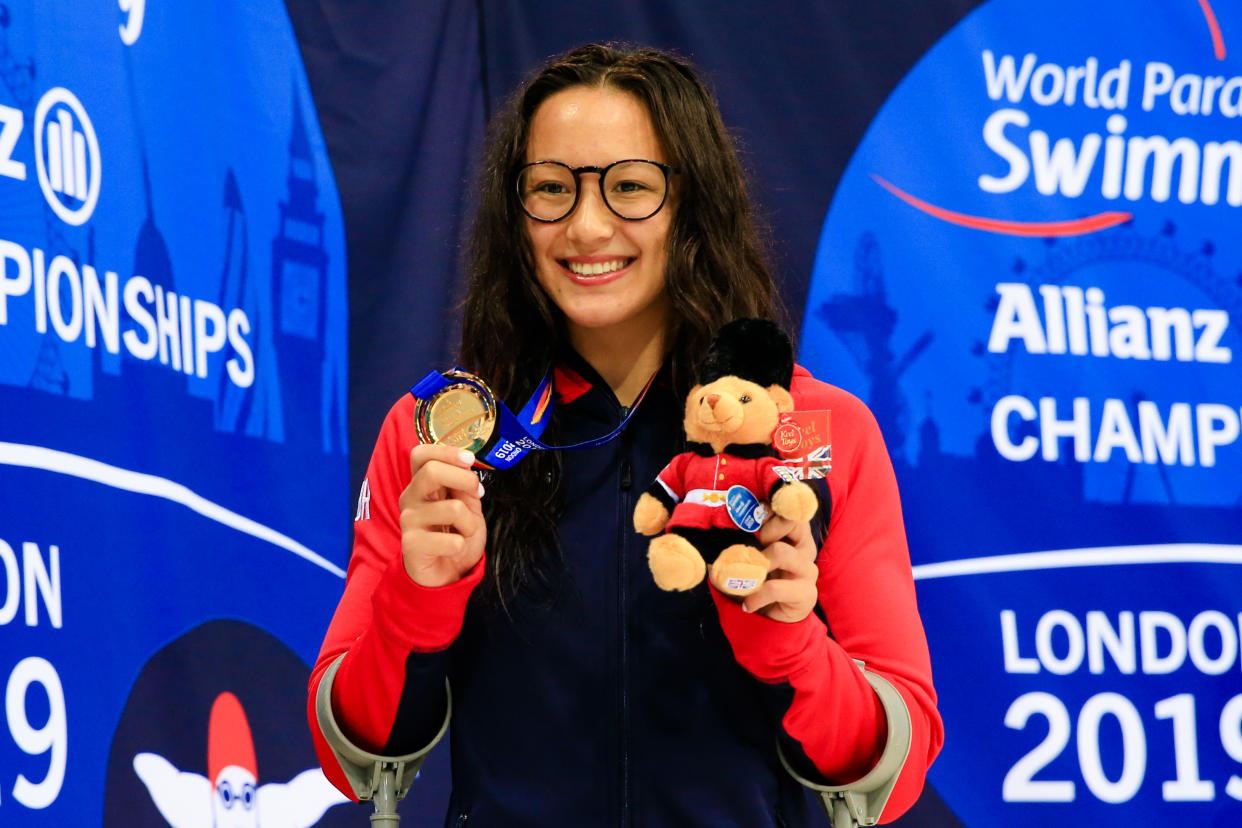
x,y
511,331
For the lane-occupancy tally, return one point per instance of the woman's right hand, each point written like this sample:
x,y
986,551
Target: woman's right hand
x,y
442,528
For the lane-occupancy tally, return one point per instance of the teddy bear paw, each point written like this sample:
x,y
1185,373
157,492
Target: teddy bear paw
x,y
675,563
796,501
649,515
740,570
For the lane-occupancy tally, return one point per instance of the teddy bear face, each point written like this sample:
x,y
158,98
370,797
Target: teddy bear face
x,y
731,410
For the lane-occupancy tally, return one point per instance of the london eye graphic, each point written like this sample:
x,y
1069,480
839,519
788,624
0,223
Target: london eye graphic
x,y
1185,267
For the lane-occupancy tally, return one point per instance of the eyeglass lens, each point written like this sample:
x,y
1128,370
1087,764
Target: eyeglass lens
x,y
632,189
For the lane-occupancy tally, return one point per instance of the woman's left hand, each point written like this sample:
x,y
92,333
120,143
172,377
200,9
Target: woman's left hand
x,y
789,593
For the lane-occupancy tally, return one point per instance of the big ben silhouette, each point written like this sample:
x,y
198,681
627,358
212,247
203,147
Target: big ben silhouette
x,y
299,284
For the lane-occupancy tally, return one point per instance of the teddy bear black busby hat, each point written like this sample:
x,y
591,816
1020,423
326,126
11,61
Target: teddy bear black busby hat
x,y
752,349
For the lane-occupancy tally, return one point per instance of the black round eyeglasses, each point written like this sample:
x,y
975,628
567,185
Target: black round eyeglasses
x,y
634,188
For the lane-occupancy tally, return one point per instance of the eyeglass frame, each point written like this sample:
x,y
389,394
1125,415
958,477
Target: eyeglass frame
x,y
224,790
602,172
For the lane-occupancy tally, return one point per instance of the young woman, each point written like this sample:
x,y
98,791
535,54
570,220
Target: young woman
x,y
613,238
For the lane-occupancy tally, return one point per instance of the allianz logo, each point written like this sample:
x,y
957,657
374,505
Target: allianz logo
x,y
66,150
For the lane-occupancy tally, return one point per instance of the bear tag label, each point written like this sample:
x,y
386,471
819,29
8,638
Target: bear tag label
x,y
803,439
745,509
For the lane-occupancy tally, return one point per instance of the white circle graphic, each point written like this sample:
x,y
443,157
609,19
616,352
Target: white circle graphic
x,y
75,159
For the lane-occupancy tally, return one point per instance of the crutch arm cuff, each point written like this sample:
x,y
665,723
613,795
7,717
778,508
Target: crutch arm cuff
x,y
362,768
864,799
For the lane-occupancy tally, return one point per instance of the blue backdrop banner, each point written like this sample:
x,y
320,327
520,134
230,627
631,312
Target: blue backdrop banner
x,y
1030,271
174,508
1028,268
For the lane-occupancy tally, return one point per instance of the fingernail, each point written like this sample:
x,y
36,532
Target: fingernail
x,y
480,488
466,457
745,608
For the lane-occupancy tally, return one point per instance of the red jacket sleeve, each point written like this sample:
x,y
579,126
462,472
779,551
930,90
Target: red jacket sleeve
x,y
390,630
866,594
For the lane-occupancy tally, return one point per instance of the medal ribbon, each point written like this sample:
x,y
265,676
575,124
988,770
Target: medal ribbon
x,y
518,434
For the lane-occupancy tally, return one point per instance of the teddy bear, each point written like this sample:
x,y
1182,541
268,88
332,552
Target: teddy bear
x,y
711,500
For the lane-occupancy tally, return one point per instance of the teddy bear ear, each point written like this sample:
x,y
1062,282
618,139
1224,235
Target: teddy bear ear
x,y
782,398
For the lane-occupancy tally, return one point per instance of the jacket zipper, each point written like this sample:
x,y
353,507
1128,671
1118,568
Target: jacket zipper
x,y
626,481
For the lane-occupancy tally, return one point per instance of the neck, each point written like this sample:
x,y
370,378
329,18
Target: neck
x,y
625,359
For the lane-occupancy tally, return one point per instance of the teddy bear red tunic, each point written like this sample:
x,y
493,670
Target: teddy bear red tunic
x,y
698,483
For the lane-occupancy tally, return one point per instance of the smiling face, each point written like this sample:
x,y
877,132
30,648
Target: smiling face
x,y
605,274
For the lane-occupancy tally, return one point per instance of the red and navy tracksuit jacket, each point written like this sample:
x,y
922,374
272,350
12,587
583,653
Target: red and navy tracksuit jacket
x,y
606,701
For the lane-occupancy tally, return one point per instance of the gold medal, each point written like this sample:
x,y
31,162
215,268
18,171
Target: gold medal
x,y
462,415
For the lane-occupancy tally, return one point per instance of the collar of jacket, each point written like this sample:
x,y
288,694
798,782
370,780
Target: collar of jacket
x,y
573,377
